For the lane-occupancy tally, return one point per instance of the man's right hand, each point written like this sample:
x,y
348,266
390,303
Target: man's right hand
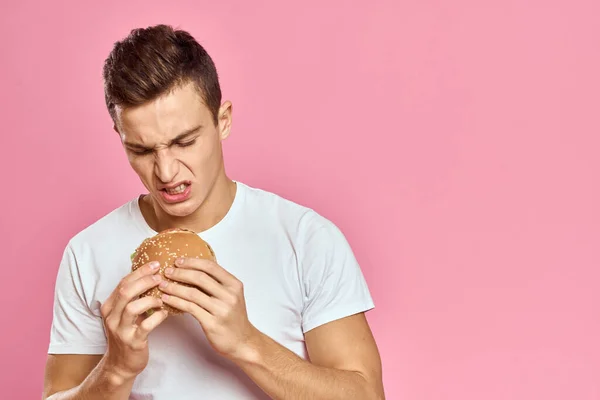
x,y
126,329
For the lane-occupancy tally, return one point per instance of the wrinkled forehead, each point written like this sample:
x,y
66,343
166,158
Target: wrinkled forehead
x,y
164,118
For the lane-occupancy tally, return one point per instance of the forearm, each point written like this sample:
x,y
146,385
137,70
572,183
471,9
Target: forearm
x,y
284,376
100,384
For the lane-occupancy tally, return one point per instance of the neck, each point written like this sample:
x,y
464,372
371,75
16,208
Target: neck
x,y
214,208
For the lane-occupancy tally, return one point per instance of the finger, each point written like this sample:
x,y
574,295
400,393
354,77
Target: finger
x,y
200,279
202,315
150,323
191,294
147,269
131,290
209,267
138,307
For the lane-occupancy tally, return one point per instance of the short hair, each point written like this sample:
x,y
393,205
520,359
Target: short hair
x,y
152,61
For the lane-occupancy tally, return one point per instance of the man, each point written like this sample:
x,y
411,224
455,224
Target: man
x,y
280,315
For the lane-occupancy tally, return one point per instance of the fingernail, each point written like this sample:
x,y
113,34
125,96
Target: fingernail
x,y
157,278
165,297
163,284
179,261
154,264
169,271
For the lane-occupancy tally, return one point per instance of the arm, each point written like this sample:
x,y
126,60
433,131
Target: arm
x,y
345,364
82,377
93,357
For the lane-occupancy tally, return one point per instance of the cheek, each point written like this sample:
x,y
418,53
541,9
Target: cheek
x,y
202,160
143,166
197,163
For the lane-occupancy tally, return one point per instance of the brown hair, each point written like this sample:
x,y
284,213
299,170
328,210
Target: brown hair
x,y
151,61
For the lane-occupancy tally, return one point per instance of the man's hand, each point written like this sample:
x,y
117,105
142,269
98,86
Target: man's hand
x,y
217,302
349,361
127,331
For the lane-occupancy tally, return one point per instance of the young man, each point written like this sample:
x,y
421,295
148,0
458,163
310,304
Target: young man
x,y
281,313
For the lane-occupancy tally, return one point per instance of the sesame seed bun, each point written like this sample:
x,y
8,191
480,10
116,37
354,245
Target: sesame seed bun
x,y
165,247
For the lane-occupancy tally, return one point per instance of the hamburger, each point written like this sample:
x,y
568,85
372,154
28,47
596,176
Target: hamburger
x,y
166,247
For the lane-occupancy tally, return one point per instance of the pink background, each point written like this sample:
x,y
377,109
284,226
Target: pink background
x,y
455,143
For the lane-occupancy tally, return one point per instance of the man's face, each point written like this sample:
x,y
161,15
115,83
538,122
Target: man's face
x,y
174,146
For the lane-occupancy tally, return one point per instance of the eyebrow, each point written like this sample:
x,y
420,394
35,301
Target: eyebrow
x,y
177,138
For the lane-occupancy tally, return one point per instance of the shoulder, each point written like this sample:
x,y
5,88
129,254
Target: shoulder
x,y
107,232
270,205
308,229
98,256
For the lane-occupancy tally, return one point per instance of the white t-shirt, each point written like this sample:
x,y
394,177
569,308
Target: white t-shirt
x,y
297,269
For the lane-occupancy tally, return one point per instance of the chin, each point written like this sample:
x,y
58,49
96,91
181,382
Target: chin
x,y
179,209
182,209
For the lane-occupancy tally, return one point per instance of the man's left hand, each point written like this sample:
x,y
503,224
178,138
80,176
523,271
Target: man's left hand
x,y
216,302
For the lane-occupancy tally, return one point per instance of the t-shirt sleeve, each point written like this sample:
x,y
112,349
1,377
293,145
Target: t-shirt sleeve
x,y
334,285
75,329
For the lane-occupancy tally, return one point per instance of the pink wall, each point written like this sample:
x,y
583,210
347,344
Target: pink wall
x,y
455,143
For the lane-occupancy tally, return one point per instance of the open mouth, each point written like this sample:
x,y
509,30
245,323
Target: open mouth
x,y
177,190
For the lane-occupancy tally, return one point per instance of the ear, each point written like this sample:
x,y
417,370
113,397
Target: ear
x,y
225,119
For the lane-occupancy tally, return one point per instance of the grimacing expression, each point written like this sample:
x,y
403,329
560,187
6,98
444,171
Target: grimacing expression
x,y
173,145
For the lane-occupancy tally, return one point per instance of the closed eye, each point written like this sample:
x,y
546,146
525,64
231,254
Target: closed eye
x,y
186,144
141,152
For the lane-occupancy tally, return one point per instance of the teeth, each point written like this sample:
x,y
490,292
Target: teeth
x,y
178,189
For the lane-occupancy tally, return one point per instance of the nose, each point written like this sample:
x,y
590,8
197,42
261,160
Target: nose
x,y
166,166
